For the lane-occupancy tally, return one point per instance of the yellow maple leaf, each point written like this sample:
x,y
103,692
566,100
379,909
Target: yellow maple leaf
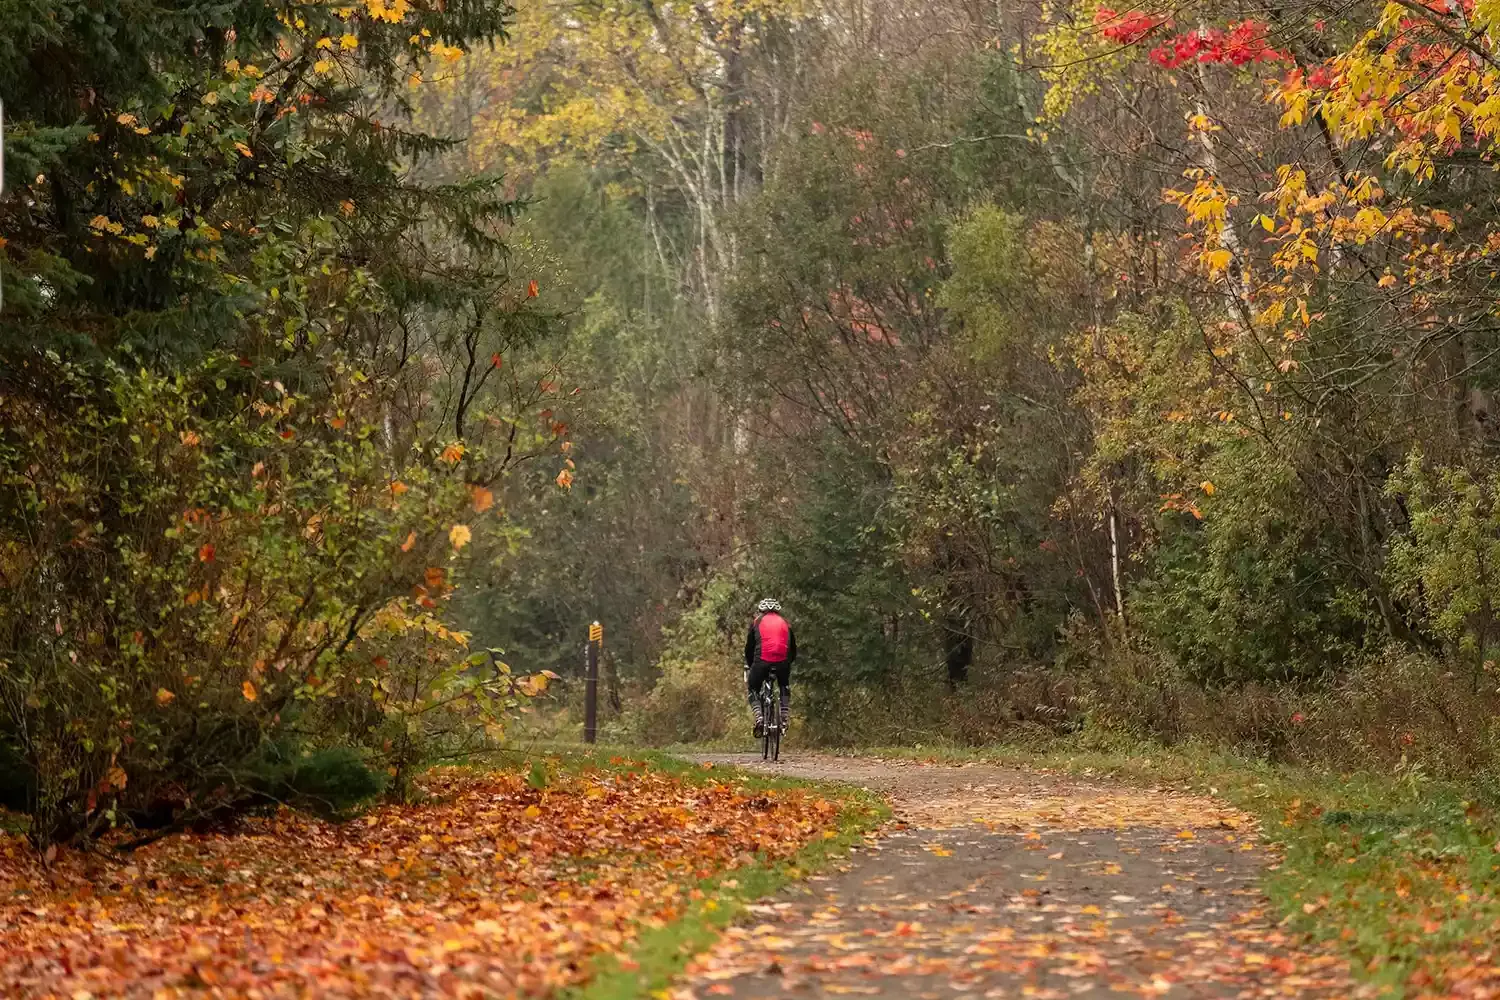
x,y
248,690
459,535
348,41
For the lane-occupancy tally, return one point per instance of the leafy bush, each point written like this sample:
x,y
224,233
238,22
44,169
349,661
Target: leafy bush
x,y
1400,708
693,701
330,782
189,569
699,693
1448,563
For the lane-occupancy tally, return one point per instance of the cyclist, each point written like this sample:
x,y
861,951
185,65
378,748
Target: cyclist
x,y
769,646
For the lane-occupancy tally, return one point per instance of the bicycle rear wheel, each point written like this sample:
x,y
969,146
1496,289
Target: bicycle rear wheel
x,y
767,703
765,728
773,724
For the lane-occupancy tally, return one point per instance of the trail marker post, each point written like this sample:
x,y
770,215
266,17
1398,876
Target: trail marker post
x,y
591,688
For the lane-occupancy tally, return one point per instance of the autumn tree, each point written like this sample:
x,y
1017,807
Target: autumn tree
x,y
258,387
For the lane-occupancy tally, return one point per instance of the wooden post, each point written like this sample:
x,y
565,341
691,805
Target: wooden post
x,y
591,689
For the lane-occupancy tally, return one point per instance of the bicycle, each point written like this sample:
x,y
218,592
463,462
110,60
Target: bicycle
x,y
770,713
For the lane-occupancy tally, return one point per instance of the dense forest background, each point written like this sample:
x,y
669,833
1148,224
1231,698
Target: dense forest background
x,y
1059,367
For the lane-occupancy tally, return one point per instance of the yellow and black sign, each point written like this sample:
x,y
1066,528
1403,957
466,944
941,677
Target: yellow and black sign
x,y
596,632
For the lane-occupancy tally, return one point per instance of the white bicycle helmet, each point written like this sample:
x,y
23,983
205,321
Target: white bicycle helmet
x,y
768,605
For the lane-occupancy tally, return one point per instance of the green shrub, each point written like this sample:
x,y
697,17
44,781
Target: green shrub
x,y
699,693
1448,562
190,563
330,782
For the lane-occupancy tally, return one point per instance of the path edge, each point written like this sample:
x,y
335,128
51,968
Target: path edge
x,y
661,954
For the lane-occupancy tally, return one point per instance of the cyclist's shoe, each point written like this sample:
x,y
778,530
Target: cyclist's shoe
x,y
760,729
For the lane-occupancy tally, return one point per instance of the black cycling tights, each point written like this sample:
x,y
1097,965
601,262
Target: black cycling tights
x,y
783,673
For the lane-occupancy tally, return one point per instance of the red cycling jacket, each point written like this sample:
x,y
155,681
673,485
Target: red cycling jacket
x,y
770,640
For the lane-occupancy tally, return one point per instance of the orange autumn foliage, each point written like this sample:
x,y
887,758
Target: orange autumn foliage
x,y
497,889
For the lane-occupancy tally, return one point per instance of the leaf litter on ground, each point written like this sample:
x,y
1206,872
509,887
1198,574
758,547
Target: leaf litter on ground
x,y
496,888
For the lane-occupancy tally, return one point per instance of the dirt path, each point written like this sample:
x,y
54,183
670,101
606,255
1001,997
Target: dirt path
x,y
996,882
